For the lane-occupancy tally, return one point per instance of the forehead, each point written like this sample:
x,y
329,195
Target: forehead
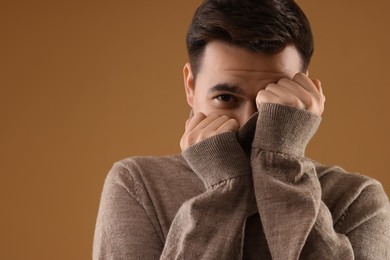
x,y
220,56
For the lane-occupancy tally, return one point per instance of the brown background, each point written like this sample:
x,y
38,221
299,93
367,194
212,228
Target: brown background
x,y
86,83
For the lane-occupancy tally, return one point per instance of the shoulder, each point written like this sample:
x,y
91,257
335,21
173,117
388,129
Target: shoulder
x,y
141,164
138,168
342,190
142,176
335,178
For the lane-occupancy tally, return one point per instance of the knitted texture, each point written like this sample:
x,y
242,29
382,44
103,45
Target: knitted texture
x,y
250,195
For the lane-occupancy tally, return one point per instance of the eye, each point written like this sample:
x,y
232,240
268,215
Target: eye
x,y
226,98
227,101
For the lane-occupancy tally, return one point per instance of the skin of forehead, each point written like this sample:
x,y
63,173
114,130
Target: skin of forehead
x,y
232,58
227,64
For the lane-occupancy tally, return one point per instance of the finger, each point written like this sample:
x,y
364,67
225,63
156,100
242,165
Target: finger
x,y
231,125
205,122
318,85
289,87
289,97
265,96
216,123
306,83
294,88
218,126
292,85
208,127
316,104
195,121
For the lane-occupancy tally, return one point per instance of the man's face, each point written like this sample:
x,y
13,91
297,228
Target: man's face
x,y
230,77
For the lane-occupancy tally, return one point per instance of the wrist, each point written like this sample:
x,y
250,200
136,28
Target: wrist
x,y
284,129
217,158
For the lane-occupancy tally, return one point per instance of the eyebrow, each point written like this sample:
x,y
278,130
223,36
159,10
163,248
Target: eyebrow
x,y
225,87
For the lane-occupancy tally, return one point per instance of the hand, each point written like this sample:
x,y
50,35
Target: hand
x,y
200,127
300,92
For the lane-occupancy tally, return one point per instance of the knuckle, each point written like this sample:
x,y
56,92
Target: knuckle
x,y
184,144
271,85
310,102
283,81
298,75
260,94
296,102
234,123
213,116
323,98
224,117
191,139
202,135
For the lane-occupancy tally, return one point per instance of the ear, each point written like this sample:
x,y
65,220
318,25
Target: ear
x,y
189,83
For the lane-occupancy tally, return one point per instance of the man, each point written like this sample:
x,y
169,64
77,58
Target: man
x,y
242,187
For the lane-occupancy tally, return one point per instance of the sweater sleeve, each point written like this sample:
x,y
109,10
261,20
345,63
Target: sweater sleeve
x,y
296,222
211,225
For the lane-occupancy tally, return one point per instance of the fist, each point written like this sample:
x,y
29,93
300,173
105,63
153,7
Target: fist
x,y
200,127
299,92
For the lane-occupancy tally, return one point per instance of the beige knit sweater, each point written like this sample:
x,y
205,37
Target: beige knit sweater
x,y
245,195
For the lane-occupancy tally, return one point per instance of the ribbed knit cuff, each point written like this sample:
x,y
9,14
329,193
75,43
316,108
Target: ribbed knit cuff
x,y
217,159
284,129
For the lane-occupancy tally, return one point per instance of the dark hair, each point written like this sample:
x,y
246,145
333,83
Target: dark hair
x,y
266,26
